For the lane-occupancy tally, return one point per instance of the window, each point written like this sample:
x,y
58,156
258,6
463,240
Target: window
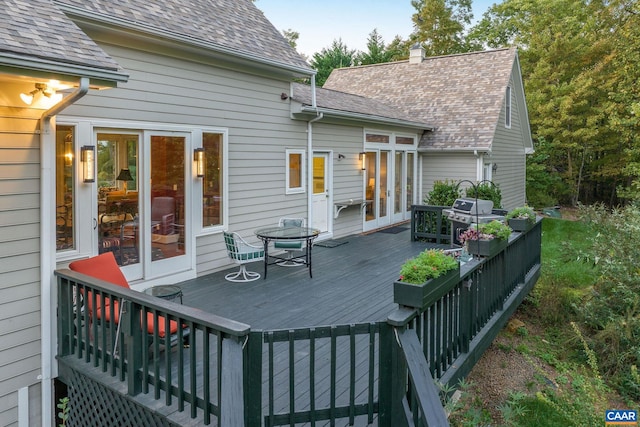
x,y
295,171
507,104
371,137
65,194
213,181
405,140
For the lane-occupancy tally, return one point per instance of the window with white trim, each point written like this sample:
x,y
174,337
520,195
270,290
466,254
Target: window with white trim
x,y
295,171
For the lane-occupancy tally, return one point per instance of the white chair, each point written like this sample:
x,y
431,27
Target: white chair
x,y
290,246
242,253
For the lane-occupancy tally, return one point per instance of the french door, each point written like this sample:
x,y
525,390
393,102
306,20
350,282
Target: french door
x,y
389,187
377,189
141,206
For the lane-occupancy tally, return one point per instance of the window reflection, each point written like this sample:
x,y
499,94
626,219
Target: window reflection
x,y
212,183
65,159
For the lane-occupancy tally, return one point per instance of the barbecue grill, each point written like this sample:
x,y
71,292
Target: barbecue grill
x,y
467,211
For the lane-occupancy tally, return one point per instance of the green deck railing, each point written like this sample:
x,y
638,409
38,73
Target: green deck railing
x,y
203,378
232,376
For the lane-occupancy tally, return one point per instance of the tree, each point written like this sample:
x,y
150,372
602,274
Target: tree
x,y
292,37
580,67
377,52
440,26
337,56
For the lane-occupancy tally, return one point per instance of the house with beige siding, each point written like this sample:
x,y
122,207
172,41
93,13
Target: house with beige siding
x,y
105,108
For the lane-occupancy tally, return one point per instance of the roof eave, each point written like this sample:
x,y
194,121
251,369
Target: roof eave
x,y
360,117
184,39
483,150
46,68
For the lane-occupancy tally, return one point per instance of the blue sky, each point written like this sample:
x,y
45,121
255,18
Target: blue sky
x,y
321,22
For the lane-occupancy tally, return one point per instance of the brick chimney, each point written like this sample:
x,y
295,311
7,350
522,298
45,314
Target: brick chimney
x,y
416,54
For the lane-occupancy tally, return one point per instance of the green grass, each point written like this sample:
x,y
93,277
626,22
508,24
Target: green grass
x,y
578,397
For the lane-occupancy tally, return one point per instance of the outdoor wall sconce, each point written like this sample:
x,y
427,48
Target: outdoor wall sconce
x,y
198,157
363,164
87,157
494,168
340,156
43,89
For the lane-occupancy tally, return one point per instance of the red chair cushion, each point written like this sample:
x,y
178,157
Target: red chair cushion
x,y
173,325
102,267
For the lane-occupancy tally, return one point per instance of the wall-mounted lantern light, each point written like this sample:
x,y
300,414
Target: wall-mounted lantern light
x,y
88,159
363,164
198,158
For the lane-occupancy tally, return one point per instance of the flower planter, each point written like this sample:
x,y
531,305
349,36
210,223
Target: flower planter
x,y
423,295
520,224
486,248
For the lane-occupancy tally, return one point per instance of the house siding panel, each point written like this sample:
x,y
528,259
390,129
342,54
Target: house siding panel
x,y
172,91
454,167
347,176
19,262
509,156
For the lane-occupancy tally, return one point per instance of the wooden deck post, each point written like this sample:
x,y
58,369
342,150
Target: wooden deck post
x,y
134,341
232,394
253,380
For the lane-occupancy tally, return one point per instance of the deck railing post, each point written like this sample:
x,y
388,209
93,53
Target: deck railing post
x,y
393,370
133,341
232,388
65,298
253,380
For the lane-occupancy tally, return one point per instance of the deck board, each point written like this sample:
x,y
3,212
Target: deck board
x,y
352,283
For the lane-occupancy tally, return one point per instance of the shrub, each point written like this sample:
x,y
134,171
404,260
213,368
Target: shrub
x,y
612,311
486,191
444,193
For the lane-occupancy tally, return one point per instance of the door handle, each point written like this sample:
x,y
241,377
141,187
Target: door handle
x,y
95,223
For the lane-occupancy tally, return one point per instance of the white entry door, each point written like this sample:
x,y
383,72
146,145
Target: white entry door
x,y
321,192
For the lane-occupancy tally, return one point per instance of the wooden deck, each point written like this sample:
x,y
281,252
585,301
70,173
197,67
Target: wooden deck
x,y
351,283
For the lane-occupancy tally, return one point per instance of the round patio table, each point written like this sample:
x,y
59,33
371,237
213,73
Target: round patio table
x,y
168,292
287,233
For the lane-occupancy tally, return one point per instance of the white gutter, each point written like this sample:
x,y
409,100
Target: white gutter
x,y
48,299
365,117
318,117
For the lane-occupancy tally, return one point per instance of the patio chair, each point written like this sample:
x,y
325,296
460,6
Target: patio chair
x,y
241,252
290,246
104,267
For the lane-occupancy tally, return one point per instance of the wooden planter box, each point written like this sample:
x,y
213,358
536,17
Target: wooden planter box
x,y
486,248
423,295
520,224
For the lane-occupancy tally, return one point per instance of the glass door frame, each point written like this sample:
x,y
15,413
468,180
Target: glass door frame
x,y
378,220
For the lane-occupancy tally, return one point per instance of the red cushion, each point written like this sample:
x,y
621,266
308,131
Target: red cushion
x,y
103,267
173,325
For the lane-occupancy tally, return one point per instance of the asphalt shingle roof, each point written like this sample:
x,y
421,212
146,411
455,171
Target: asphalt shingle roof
x,y
349,103
230,25
38,29
461,95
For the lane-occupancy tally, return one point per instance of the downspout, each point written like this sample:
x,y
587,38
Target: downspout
x,y
48,299
319,116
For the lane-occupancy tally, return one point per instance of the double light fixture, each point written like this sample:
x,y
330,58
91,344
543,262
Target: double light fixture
x,y
41,89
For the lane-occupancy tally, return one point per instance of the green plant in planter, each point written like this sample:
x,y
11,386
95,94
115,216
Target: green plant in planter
x,y
427,265
524,212
489,231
